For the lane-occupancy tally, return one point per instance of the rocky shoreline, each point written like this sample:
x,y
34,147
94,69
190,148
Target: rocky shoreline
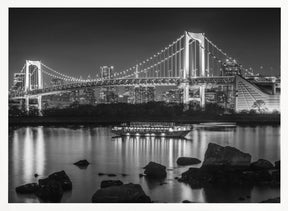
x,y
228,166
222,166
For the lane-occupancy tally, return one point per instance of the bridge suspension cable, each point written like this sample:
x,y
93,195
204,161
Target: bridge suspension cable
x,y
64,77
152,62
227,56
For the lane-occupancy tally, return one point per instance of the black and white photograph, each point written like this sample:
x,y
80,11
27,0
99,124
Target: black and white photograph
x,y
148,104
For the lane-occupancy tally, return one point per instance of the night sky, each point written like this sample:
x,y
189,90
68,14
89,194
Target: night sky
x,y
78,41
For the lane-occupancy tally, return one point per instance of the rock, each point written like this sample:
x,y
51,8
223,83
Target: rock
x,y
124,175
50,191
202,177
111,175
273,200
261,164
62,178
27,188
155,170
101,174
195,177
186,201
277,164
227,166
275,178
217,155
141,175
176,178
82,163
108,183
36,175
256,177
163,183
43,182
128,193
183,161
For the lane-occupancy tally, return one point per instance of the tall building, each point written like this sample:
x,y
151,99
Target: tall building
x,y
106,72
130,93
89,95
144,94
108,95
173,96
19,81
230,68
75,95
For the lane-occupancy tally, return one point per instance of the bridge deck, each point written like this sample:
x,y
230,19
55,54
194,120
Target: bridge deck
x,y
171,81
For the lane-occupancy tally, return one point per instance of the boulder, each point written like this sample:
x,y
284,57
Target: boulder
x,y
227,166
128,193
276,177
82,163
186,201
111,175
50,191
217,155
109,183
203,177
196,177
62,178
277,164
27,188
256,177
261,164
155,170
187,161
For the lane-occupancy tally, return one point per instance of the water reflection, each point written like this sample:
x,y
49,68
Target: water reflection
x,y
29,153
44,150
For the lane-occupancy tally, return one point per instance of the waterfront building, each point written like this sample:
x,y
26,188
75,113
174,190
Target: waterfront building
x,y
18,81
89,95
56,101
230,68
144,94
173,96
130,92
108,95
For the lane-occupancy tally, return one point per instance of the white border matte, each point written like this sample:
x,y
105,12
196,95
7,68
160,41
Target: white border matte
x,y
5,4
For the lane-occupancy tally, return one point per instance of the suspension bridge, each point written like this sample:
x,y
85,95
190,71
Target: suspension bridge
x,y
191,61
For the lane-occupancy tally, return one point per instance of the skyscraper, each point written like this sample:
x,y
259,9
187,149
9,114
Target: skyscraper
x,y
106,72
19,81
144,94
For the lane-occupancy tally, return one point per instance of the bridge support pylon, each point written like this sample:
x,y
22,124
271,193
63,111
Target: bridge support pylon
x,y
27,107
186,69
28,75
39,101
202,96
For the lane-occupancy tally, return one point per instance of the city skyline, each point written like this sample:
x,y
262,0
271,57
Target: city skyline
x,y
73,39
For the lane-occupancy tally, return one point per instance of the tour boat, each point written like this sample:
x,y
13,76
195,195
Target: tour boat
x,y
152,129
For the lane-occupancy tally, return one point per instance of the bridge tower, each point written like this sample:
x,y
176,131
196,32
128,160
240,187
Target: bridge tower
x,y
186,69
28,82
